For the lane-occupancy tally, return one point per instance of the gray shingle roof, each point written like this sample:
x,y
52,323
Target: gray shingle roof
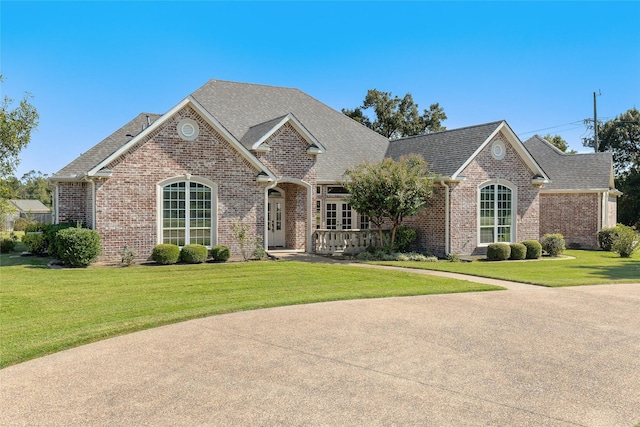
x,y
27,205
446,151
258,131
588,171
107,146
241,106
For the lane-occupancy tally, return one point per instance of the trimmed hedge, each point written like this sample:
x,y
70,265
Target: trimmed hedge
x,y
194,254
78,247
7,245
518,251
626,241
165,253
534,249
220,253
36,243
498,252
606,236
50,232
553,244
405,236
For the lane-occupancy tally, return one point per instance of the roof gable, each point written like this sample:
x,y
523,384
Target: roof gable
x,y
248,110
572,172
449,152
256,137
86,161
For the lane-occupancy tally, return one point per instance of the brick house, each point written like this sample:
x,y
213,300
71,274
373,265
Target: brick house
x,y
273,158
581,198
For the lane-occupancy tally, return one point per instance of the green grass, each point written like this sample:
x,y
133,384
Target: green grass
x,y
588,268
43,311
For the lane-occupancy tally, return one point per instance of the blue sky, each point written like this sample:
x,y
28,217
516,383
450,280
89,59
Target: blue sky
x,y
92,66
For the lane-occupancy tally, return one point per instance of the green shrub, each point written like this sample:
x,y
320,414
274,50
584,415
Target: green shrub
x,y
405,236
220,253
534,249
626,241
7,245
36,242
50,232
20,224
165,253
498,252
78,247
518,251
553,244
606,237
194,254
35,227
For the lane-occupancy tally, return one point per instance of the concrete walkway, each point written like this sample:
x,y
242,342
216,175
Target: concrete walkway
x,y
528,356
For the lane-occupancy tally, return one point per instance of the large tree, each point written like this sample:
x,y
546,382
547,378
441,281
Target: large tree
x,y
396,117
621,137
559,143
16,125
390,190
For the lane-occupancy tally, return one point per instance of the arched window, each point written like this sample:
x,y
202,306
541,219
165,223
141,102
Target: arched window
x,y
188,213
496,211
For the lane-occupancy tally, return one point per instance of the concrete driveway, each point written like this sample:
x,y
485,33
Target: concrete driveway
x,y
527,356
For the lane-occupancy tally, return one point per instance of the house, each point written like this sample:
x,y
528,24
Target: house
x,y
33,210
273,158
581,198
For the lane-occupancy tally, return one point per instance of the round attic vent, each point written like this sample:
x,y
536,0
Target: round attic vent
x,y
188,129
498,149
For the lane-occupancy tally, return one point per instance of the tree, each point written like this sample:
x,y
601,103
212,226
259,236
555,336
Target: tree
x,y
33,186
16,126
390,190
621,137
396,117
559,143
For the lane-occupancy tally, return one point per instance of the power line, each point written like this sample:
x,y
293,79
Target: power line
x,y
581,122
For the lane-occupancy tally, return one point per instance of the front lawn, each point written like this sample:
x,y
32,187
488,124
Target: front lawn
x,y
587,268
43,311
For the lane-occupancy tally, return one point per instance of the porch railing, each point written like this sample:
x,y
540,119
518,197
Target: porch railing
x,y
344,241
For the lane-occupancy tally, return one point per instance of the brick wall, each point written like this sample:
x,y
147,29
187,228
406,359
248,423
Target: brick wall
x,y
126,203
430,224
126,212
574,215
74,203
464,198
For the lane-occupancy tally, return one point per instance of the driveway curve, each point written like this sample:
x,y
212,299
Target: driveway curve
x,y
528,356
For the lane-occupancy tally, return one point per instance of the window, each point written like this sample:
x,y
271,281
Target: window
x,y
335,190
341,216
187,213
496,214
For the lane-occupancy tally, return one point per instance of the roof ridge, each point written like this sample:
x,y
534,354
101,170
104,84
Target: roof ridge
x,y
562,153
448,130
213,80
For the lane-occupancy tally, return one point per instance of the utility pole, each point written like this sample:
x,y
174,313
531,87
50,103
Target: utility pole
x,y
595,123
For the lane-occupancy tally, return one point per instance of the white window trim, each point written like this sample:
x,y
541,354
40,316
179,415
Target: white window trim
x,y
355,215
514,209
187,179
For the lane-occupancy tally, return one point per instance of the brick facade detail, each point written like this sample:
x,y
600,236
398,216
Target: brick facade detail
x,y
572,215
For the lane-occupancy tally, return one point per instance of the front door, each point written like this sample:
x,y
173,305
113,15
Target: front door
x,y
275,221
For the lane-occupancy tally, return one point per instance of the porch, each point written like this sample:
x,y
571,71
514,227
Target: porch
x,y
343,241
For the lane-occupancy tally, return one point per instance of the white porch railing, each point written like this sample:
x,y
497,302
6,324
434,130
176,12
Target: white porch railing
x,y
344,241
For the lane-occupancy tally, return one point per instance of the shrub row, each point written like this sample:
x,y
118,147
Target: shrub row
x,y
529,249
192,254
